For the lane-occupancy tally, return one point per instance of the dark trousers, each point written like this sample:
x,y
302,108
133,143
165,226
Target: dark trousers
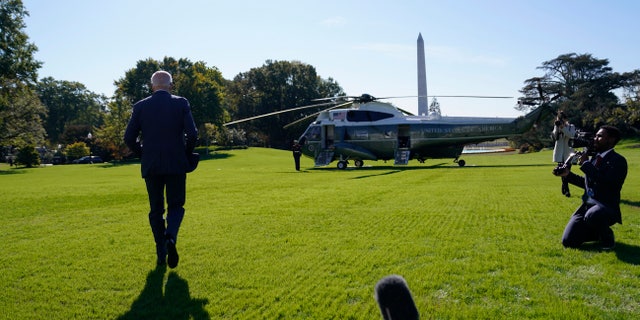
x,y
589,223
175,187
296,159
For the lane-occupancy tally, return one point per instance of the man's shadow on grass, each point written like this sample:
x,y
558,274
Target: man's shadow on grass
x,y
176,303
625,252
628,253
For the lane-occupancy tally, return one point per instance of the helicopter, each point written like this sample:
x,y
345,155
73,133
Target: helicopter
x,y
359,128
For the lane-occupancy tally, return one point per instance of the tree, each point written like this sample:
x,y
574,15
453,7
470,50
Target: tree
x,y
20,109
277,85
583,87
21,116
77,150
28,156
16,53
632,100
110,136
201,85
69,103
434,108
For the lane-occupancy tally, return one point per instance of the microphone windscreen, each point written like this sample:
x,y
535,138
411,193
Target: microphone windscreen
x,y
394,299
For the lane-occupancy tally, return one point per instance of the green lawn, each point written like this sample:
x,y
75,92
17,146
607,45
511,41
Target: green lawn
x,y
262,241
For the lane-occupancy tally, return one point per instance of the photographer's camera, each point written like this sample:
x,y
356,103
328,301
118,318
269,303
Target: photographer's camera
x,y
583,139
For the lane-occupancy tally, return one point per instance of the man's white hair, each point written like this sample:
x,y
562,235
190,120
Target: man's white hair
x,y
161,78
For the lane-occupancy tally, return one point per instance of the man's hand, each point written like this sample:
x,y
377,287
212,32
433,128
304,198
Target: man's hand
x,y
583,157
561,172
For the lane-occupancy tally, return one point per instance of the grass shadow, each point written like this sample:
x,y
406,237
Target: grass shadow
x,y
216,155
11,171
631,203
378,174
113,164
176,303
625,252
378,168
628,253
433,166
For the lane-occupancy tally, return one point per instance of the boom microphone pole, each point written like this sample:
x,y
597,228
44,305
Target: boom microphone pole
x,y
395,300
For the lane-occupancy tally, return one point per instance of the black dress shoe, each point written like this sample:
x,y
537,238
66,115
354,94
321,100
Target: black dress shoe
x,y
609,247
172,253
608,240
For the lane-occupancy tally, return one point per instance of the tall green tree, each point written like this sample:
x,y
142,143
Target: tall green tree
x,y
584,87
69,103
277,85
20,109
109,136
632,101
203,86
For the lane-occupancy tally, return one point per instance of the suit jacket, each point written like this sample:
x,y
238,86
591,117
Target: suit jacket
x,y
167,133
605,181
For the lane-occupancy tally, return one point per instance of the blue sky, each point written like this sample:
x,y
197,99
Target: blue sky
x,y
472,47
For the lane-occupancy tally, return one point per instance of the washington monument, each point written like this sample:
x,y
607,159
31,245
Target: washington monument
x,y
423,102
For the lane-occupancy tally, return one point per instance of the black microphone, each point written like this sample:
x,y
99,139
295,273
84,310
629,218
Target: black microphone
x,y
395,300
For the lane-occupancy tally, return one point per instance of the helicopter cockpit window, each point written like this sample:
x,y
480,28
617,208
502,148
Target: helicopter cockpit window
x,y
313,133
364,115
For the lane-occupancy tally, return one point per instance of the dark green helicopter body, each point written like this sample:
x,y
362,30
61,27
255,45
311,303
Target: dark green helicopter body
x,y
374,130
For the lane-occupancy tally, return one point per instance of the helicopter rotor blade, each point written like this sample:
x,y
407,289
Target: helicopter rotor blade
x,y
278,112
439,96
405,112
335,99
487,97
398,97
317,113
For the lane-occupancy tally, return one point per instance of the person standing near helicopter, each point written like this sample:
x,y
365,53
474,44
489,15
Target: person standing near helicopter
x,y
297,152
563,131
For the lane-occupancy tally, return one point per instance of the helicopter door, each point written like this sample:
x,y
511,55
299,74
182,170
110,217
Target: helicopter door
x,y
328,136
404,137
325,155
404,143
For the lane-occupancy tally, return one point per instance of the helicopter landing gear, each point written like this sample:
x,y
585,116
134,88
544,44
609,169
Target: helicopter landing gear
x,y
460,162
359,163
342,164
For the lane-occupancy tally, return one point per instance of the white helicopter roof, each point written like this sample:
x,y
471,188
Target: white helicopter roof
x,y
388,108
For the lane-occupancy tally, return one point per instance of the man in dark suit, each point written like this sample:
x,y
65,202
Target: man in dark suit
x,y
600,209
162,131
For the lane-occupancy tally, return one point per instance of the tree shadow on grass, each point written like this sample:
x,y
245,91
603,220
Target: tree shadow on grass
x,y
136,161
11,171
176,303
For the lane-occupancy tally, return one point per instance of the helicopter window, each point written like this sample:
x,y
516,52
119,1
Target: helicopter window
x,y
313,133
361,134
363,115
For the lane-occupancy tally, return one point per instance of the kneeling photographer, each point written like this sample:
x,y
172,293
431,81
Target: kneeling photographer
x,y
604,175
